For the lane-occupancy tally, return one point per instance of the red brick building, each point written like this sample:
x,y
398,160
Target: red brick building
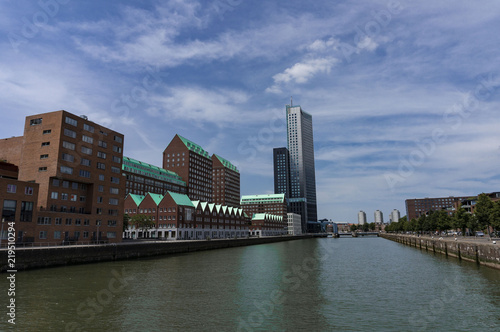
x,y
18,201
77,165
226,182
264,224
193,164
272,204
178,217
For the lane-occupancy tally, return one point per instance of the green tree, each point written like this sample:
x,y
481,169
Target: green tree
x,y
354,227
473,224
371,226
126,219
495,216
142,222
483,211
461,219
443,220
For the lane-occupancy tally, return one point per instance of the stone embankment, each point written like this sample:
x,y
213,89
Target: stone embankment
x,y
483,251
42,257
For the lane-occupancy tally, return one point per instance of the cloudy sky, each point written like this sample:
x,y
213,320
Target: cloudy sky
x,y
404,95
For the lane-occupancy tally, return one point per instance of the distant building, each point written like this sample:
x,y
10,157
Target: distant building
x,y
294,224
361,218
281,161
379,217
142,178
225,182
264,224
395,215
272,204
421,206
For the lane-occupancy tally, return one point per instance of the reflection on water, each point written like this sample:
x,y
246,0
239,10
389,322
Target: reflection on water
x,y
360,284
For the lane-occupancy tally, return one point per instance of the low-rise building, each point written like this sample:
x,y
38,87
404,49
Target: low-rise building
x,y
294,224
265,224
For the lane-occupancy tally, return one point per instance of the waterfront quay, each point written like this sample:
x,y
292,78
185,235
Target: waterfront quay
x,y
483,251
49,256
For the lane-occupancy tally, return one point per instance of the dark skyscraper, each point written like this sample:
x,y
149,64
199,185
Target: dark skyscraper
x,y
281,160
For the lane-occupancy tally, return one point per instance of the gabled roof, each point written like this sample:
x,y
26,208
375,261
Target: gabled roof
x,y
156,198
194,147
181,199
137,198
226,163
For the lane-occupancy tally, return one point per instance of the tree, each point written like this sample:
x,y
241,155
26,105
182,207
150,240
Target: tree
x,y
495,216
473,224
142,222
354,227
461,219
483,210
371,226
126,219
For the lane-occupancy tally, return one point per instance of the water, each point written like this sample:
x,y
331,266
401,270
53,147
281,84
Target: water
x,y
360,284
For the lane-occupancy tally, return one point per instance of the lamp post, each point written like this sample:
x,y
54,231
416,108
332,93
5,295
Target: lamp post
x,y
1,232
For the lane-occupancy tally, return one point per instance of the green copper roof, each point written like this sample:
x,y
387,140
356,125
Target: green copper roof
x,y
227,163
141,168
271,198
194,147
137,198
262,216
181,199
156,197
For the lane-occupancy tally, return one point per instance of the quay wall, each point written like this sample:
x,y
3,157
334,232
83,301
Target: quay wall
x,y
43,257
486,253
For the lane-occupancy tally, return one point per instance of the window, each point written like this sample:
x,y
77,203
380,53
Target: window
x,y
26,211
113,201
103,144
118,139
64,196
86,150
101,154
69,133
115,180
58,221
44,221
85,162
82,198
73,197
44,156
57,235
11,188
55,182
88,127
113,190
87,139
66,170
86,222
53,195
42,169
99,199
65,184
117,159
43,235
74,186
115,169
68,157
28,190
45,143
101,177
85,234
117,149
34,122
101,165
71,121
112,223
111,235
98,210
48,131
68,221
84,174
68,145
100,188
9,210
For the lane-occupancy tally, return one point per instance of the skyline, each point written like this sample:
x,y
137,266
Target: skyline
x,y
403,95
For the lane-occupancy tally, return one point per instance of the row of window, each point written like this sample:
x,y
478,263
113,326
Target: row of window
x,y
10,207
43,235
12,188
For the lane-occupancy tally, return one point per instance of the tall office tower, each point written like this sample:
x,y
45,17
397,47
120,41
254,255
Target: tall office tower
x,y
379,217
302,173
361,217
281,161
395,215
77,165
193,164
225,183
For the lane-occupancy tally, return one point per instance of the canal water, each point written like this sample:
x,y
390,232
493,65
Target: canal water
x,y
347,284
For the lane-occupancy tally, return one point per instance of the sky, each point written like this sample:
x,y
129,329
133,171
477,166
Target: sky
x,y
404,95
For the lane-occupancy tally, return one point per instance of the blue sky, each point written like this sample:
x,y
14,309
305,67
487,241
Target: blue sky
x,y
404,95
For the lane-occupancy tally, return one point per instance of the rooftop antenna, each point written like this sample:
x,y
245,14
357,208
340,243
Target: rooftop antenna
x,y
291,101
